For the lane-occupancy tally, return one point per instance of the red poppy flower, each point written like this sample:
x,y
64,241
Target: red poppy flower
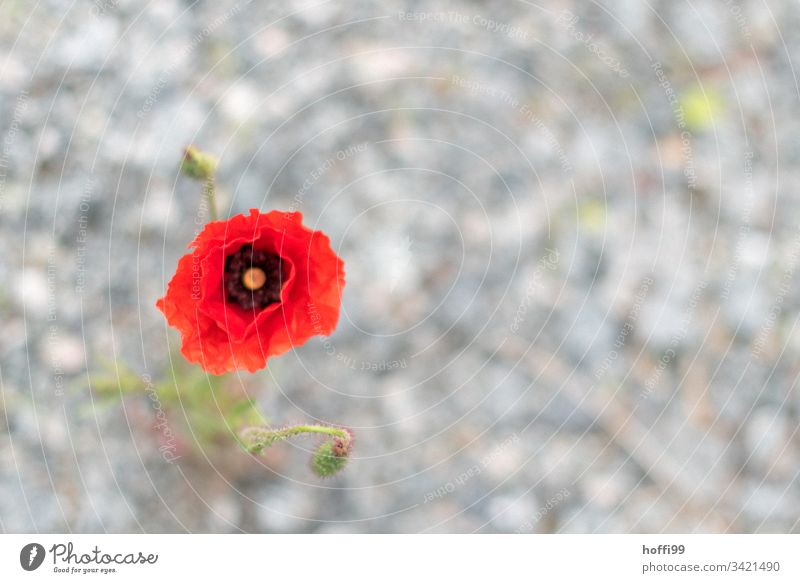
x,y
253,287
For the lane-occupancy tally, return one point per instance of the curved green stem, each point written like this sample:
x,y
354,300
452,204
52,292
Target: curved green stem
x,y
256,439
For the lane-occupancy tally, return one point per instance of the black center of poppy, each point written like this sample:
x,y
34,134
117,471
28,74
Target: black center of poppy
x,y
252,278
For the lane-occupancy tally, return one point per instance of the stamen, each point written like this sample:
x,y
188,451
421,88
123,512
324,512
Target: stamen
x,y
253,278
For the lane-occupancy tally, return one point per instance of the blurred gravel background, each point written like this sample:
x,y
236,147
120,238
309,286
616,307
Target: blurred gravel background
x,y
570,231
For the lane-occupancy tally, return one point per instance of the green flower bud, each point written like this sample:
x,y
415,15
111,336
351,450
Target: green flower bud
x,y
197,164
331,457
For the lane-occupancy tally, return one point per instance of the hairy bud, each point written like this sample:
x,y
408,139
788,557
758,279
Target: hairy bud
x,y
331,456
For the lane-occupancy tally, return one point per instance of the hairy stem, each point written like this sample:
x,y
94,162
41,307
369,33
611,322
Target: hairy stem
x,y
255,439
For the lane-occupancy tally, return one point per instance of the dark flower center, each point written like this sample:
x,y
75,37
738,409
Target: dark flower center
x,y
252,278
